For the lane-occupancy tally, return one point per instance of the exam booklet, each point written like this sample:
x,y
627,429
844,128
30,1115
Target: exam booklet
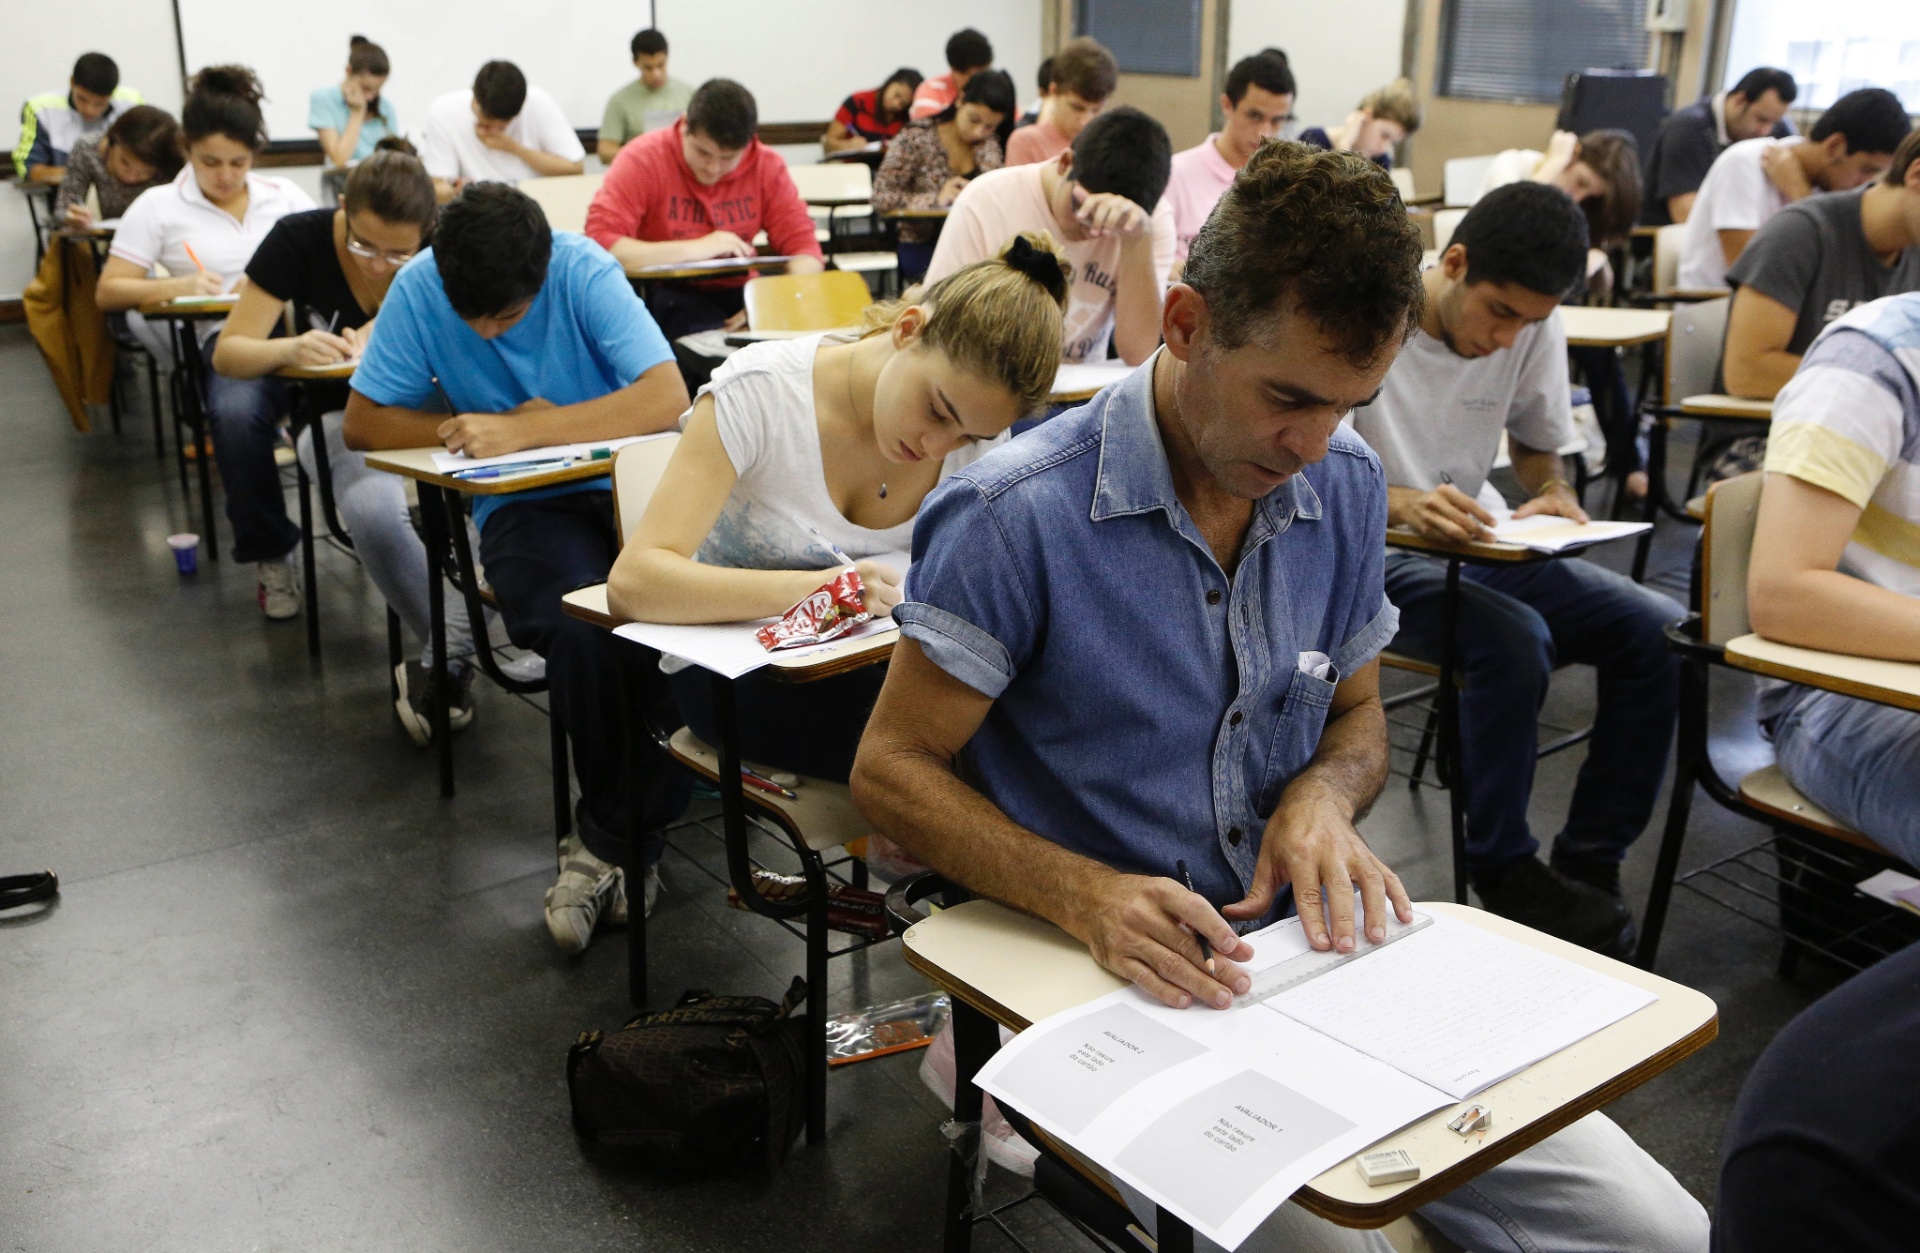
x,y
1221,1115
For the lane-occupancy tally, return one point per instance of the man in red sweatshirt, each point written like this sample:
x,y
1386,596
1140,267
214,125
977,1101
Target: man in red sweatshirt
x,y
701,188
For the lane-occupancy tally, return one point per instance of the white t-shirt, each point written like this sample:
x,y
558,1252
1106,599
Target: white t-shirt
x,y
452,149
1515,165
1736,196
1441,413
1000,204
158,227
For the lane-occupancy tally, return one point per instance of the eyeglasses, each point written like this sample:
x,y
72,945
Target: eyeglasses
x,y
367,252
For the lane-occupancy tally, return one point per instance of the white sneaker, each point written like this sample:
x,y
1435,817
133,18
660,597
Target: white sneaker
x,y
584,891
651,893
279,588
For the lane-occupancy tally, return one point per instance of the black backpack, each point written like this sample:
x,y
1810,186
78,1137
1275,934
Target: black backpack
x,y
698,1084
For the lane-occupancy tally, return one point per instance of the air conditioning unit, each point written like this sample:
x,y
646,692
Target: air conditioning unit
x,y
1667,16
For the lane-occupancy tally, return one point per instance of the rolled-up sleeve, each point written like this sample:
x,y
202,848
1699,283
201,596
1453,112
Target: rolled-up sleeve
x,y
968,603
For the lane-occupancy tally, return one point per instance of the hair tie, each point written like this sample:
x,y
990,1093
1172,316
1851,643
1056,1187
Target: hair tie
x,y
1039,265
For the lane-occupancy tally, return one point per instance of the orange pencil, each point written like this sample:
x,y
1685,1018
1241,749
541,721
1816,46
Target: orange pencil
x,y
191,256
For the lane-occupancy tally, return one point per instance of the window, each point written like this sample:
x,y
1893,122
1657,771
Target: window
x,y
1830,48
1145,36
1523,50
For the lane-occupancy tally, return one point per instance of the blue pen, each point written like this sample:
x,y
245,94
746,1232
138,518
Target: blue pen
x,y
517,467
832,547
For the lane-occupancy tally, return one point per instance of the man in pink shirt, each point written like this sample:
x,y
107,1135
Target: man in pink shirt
x,y
1102,200
699,189
1257,104
968,52
1084,75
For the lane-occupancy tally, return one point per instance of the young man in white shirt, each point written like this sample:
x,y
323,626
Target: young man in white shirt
x,y
1257,104
501,131
1491,355
1851,145
1694,134
1104,200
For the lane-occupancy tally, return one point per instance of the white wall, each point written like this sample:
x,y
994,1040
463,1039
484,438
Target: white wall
x,y
42,42
1339,52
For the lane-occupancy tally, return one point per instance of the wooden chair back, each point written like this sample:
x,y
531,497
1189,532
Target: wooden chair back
x,y
637,469
1667,241
1462,178
1444,223
1694,340
832,180
1726,549
807,302
564,198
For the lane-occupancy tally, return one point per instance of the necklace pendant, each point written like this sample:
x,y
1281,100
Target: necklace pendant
x,y
883,491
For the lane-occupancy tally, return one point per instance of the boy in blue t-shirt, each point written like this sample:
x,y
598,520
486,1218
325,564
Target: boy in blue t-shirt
x,y
537,338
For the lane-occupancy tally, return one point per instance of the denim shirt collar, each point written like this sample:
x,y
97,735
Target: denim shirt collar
x,y
1135,477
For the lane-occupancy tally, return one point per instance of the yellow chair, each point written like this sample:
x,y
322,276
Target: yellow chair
x,y
564,198
806,302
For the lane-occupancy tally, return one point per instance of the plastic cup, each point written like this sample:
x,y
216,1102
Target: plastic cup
x,y
186,551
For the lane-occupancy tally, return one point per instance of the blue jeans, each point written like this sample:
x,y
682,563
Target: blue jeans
x,y
535,552
1857,760
808,728
1515,624
243,415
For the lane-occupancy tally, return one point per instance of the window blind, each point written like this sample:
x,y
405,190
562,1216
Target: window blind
x,y
1146,36
1523,50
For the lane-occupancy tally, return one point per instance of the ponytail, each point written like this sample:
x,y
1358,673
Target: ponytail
x,y
366,57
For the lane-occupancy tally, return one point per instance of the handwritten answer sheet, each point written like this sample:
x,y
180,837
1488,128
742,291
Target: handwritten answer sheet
x,y
1221,1115
449,462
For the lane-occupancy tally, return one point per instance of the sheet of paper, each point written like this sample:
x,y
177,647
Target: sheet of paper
x,y
1548,534
712,263
449,462
1089,376
732,649
1902,890
1460,1008
1220,1116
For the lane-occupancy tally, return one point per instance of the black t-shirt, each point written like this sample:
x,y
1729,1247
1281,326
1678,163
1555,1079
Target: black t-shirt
x,y
296,262
1682,153
1823,1151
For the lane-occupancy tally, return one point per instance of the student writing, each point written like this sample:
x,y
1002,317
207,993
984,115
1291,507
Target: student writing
x,y
537,338
51,124
805,446
1695,134
352,117
140,150
968,52
1102,198
932,160
203,227
334,267
502,130
873,116
1257,105
648,103
1084,75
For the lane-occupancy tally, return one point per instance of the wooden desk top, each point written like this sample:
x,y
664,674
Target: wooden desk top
x,y
836,202
1078,381
1869,678
589,604
1613,328
311,373
417,464
1714,405
1018,970
194,309
1474,553
898,214
676,271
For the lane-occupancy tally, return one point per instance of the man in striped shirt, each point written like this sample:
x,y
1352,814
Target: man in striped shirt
x,y
1836,564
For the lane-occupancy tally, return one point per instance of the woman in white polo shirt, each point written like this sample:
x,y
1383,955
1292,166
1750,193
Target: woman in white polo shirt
x,y
203,228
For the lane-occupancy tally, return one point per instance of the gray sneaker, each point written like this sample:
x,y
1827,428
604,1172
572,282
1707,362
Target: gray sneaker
x,y
584,891
413,701
618,916
279,588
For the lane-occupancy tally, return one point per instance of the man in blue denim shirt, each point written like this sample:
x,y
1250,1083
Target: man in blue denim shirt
x,y
1147,632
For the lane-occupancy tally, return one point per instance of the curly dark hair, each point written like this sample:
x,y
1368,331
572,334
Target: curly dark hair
x,y
1321,232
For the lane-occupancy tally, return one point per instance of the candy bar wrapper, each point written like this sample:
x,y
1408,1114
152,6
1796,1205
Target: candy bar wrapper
x,y
849,909
828,612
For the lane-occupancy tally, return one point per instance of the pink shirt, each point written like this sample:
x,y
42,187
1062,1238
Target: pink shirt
x,y
1200,177
999,205
1040,142
933,96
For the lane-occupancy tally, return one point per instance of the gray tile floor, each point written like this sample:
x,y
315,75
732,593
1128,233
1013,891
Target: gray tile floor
x,y
292,999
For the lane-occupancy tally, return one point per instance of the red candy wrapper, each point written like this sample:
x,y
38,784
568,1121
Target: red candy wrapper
x,y
828,612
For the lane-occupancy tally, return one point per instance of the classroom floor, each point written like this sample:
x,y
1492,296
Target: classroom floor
x,y
292,999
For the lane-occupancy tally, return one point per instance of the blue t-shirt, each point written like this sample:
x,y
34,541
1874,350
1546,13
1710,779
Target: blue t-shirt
x,y
327,109
585,335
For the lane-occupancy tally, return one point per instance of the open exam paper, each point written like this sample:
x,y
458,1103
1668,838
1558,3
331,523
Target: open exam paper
x,y
1221,1115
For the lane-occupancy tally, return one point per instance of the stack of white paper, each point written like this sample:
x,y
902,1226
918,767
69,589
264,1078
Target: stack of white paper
x,y
449,462
1548,534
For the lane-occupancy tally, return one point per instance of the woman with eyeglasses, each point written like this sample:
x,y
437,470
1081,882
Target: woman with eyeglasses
x,y
333,267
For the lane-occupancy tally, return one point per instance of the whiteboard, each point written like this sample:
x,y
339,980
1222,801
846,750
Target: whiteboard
x,y
800,58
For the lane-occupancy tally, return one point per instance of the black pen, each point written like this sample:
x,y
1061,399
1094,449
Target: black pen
x,y
444,398
1206,950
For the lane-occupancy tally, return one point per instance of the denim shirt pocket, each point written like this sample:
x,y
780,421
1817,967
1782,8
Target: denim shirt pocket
x,y
1296,734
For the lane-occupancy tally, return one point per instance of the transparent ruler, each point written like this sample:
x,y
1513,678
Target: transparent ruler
x,y
1295,971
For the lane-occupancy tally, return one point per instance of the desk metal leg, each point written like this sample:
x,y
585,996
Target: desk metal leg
x,y
1450,731
975,1039
193,391
1692,746
638,739
433,514
310,575
1174,1235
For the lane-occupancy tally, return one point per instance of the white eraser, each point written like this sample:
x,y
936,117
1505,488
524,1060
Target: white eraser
x,y
1388,1166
